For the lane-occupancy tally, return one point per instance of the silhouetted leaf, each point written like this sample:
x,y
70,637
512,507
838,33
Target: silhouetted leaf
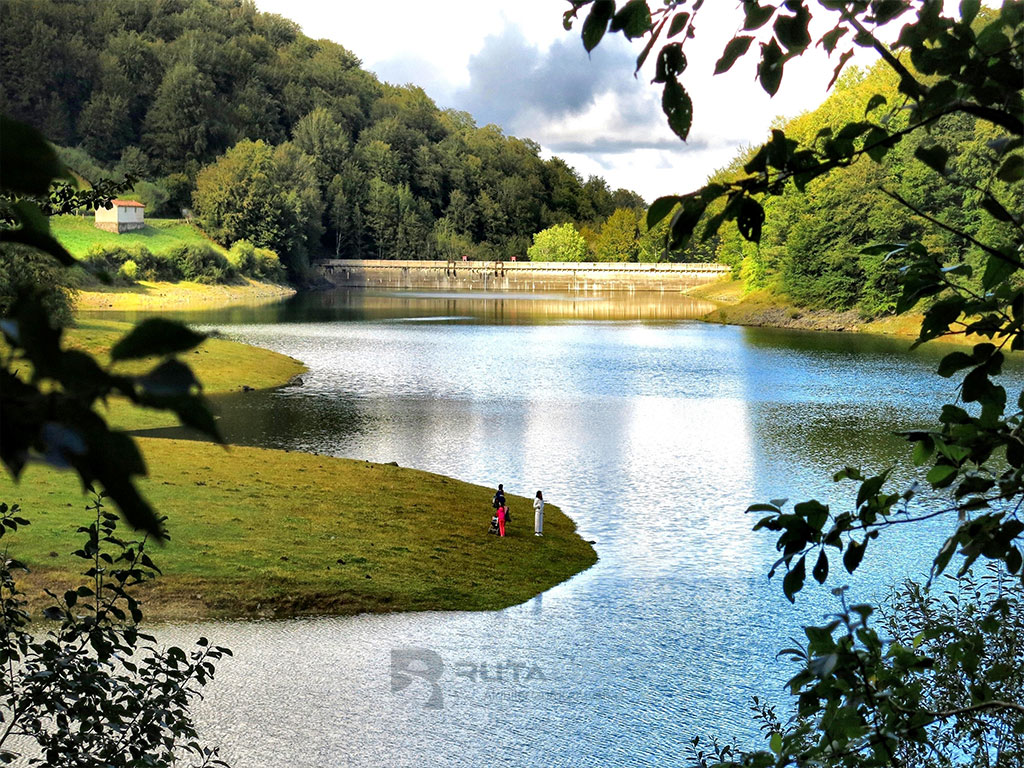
x,y
596,23
155,337
733,50
935,157
633,19
1012,168
750,219
769,70
853,555
820,571
678,23
28,161
677,106
661,208
755,15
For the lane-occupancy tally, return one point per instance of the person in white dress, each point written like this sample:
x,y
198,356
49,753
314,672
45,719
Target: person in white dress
x,y
538,515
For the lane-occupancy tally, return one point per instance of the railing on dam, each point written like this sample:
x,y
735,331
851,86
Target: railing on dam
x,y
517,275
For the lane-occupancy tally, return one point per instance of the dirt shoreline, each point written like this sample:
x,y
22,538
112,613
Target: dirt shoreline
x,y
763,310
170,297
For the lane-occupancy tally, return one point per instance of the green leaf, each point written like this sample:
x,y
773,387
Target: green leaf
x,y
28,161
634,19
792,31
997,270
794,579
670,64
775,743
755,16
1012,169
843,58
968,10
821,567
830,39
678,23
735,48
596,23
750,219
155,337
935,157
874,103
923,450
169,379
769,70
677,106
685,220
853,555
953,362
941,475
661,208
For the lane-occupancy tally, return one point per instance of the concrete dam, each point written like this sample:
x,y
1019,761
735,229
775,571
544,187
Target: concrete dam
x,y
517,275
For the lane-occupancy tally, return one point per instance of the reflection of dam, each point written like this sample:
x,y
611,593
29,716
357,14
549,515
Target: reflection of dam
x,y
516,275
512,307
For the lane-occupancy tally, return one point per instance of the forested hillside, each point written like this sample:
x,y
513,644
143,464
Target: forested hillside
x,y
276,138
812,247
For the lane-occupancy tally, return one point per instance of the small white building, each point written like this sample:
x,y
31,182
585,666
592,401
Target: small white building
x,y
121,216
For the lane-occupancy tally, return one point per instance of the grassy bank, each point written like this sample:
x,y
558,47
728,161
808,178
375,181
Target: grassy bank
x,y
78,234
221,365
765,309
272,533
145,296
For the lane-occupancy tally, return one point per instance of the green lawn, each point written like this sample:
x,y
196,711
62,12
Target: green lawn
x,y
274,533
77,234
221,366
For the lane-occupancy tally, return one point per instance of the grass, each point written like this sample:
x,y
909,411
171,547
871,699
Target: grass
x,y
272,533
221,365
162,297
78,234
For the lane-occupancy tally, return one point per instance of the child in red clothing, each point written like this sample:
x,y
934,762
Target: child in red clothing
x,y
501,520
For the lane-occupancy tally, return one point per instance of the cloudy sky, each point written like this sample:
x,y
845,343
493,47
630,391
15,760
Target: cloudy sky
x,y
513,64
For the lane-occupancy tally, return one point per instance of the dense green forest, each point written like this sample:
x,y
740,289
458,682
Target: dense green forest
x,y
812,247
269,136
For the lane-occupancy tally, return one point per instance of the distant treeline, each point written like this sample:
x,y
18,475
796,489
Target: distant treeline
x,y
278,139
813,242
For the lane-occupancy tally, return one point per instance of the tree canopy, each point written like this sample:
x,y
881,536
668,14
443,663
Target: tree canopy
x,y
176,93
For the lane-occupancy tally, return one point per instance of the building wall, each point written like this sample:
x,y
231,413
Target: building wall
x,y
120,218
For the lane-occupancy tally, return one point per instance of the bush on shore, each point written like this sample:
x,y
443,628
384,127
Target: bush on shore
x,y
258,263
125,264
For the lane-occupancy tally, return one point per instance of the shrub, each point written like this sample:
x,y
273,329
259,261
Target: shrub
x,y
258,263
268,266
129,271
558,243
242,257
27,272
88,687
201,263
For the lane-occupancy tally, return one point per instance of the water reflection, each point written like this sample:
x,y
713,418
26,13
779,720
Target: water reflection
x,y
652,431
469,306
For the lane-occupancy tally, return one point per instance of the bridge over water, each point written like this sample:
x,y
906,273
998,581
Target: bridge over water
x,y
516,275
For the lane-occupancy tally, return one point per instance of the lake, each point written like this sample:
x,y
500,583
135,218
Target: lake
x,y
653,431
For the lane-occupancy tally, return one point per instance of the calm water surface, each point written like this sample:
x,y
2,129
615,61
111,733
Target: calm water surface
x,y
653,431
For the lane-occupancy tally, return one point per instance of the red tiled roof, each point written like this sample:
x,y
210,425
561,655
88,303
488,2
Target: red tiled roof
x,y
127,204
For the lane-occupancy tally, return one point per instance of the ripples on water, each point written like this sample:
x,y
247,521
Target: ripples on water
x,y
652,435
